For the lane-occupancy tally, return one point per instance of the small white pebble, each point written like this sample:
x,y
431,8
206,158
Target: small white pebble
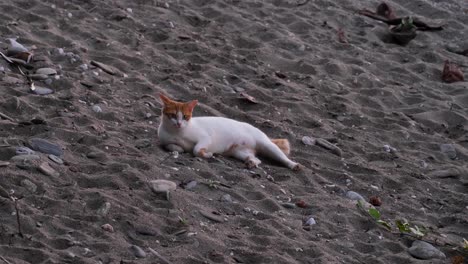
x,y
53,6
129,10
70,15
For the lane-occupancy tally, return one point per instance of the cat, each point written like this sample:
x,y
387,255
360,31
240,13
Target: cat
x,y
205,136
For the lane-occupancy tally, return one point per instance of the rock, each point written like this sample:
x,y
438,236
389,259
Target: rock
x,y
97,108
108,228
96,155
226,198
104,209
38,77
41,90
389,149
45,146
46,71
375,201
451,73
24,151
310,221
308,141
138,251
327,145
449,150
46,169
18,158
15,47
55,159
190,185
4,163
29,185
423,250
162,186
288,205
354,196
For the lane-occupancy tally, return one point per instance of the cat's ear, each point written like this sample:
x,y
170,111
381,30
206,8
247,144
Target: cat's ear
x,y
165,99
191,105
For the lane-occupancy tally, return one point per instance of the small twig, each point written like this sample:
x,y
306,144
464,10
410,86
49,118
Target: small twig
x,y
6,58
6,261
2,115
18,220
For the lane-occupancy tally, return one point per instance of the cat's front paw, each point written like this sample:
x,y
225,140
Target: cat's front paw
x,y
252,163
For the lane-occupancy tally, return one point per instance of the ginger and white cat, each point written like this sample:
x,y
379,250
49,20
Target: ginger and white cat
x,y
205,136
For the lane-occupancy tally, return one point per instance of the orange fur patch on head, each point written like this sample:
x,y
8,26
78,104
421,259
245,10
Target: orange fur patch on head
x,y
171,107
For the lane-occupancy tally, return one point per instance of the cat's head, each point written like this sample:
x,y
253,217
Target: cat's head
x,y
177,114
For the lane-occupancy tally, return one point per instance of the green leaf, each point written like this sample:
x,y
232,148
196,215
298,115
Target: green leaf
x,y
402,226
385,224
360,205
374,213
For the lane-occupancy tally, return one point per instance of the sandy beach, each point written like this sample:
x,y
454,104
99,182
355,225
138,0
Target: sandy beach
x,y
365,116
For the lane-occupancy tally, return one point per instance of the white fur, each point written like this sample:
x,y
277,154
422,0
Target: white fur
x,y
219,135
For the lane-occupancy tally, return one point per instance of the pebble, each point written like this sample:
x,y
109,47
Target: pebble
x,y
42,90
38,77
308,141
25,157
449,150
70,15
97,108
446,173
138,251
104,209
108,228
46,169
15,47
226,198
162,186
4,163
24,151
354,196
60,51
423,250
84,67
55,159
288,205
46,71
310,221
29,185
389,149
45,146
190,185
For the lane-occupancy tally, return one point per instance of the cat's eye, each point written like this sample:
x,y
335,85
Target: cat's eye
x,y
186,117
172,116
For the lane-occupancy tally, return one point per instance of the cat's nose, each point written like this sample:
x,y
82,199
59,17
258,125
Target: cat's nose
x,y
178,125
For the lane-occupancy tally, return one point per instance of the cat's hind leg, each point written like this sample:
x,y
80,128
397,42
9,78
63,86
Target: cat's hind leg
x,y
272,151
247,155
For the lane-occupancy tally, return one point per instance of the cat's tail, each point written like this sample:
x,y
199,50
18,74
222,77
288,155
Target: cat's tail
x,y
283,144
